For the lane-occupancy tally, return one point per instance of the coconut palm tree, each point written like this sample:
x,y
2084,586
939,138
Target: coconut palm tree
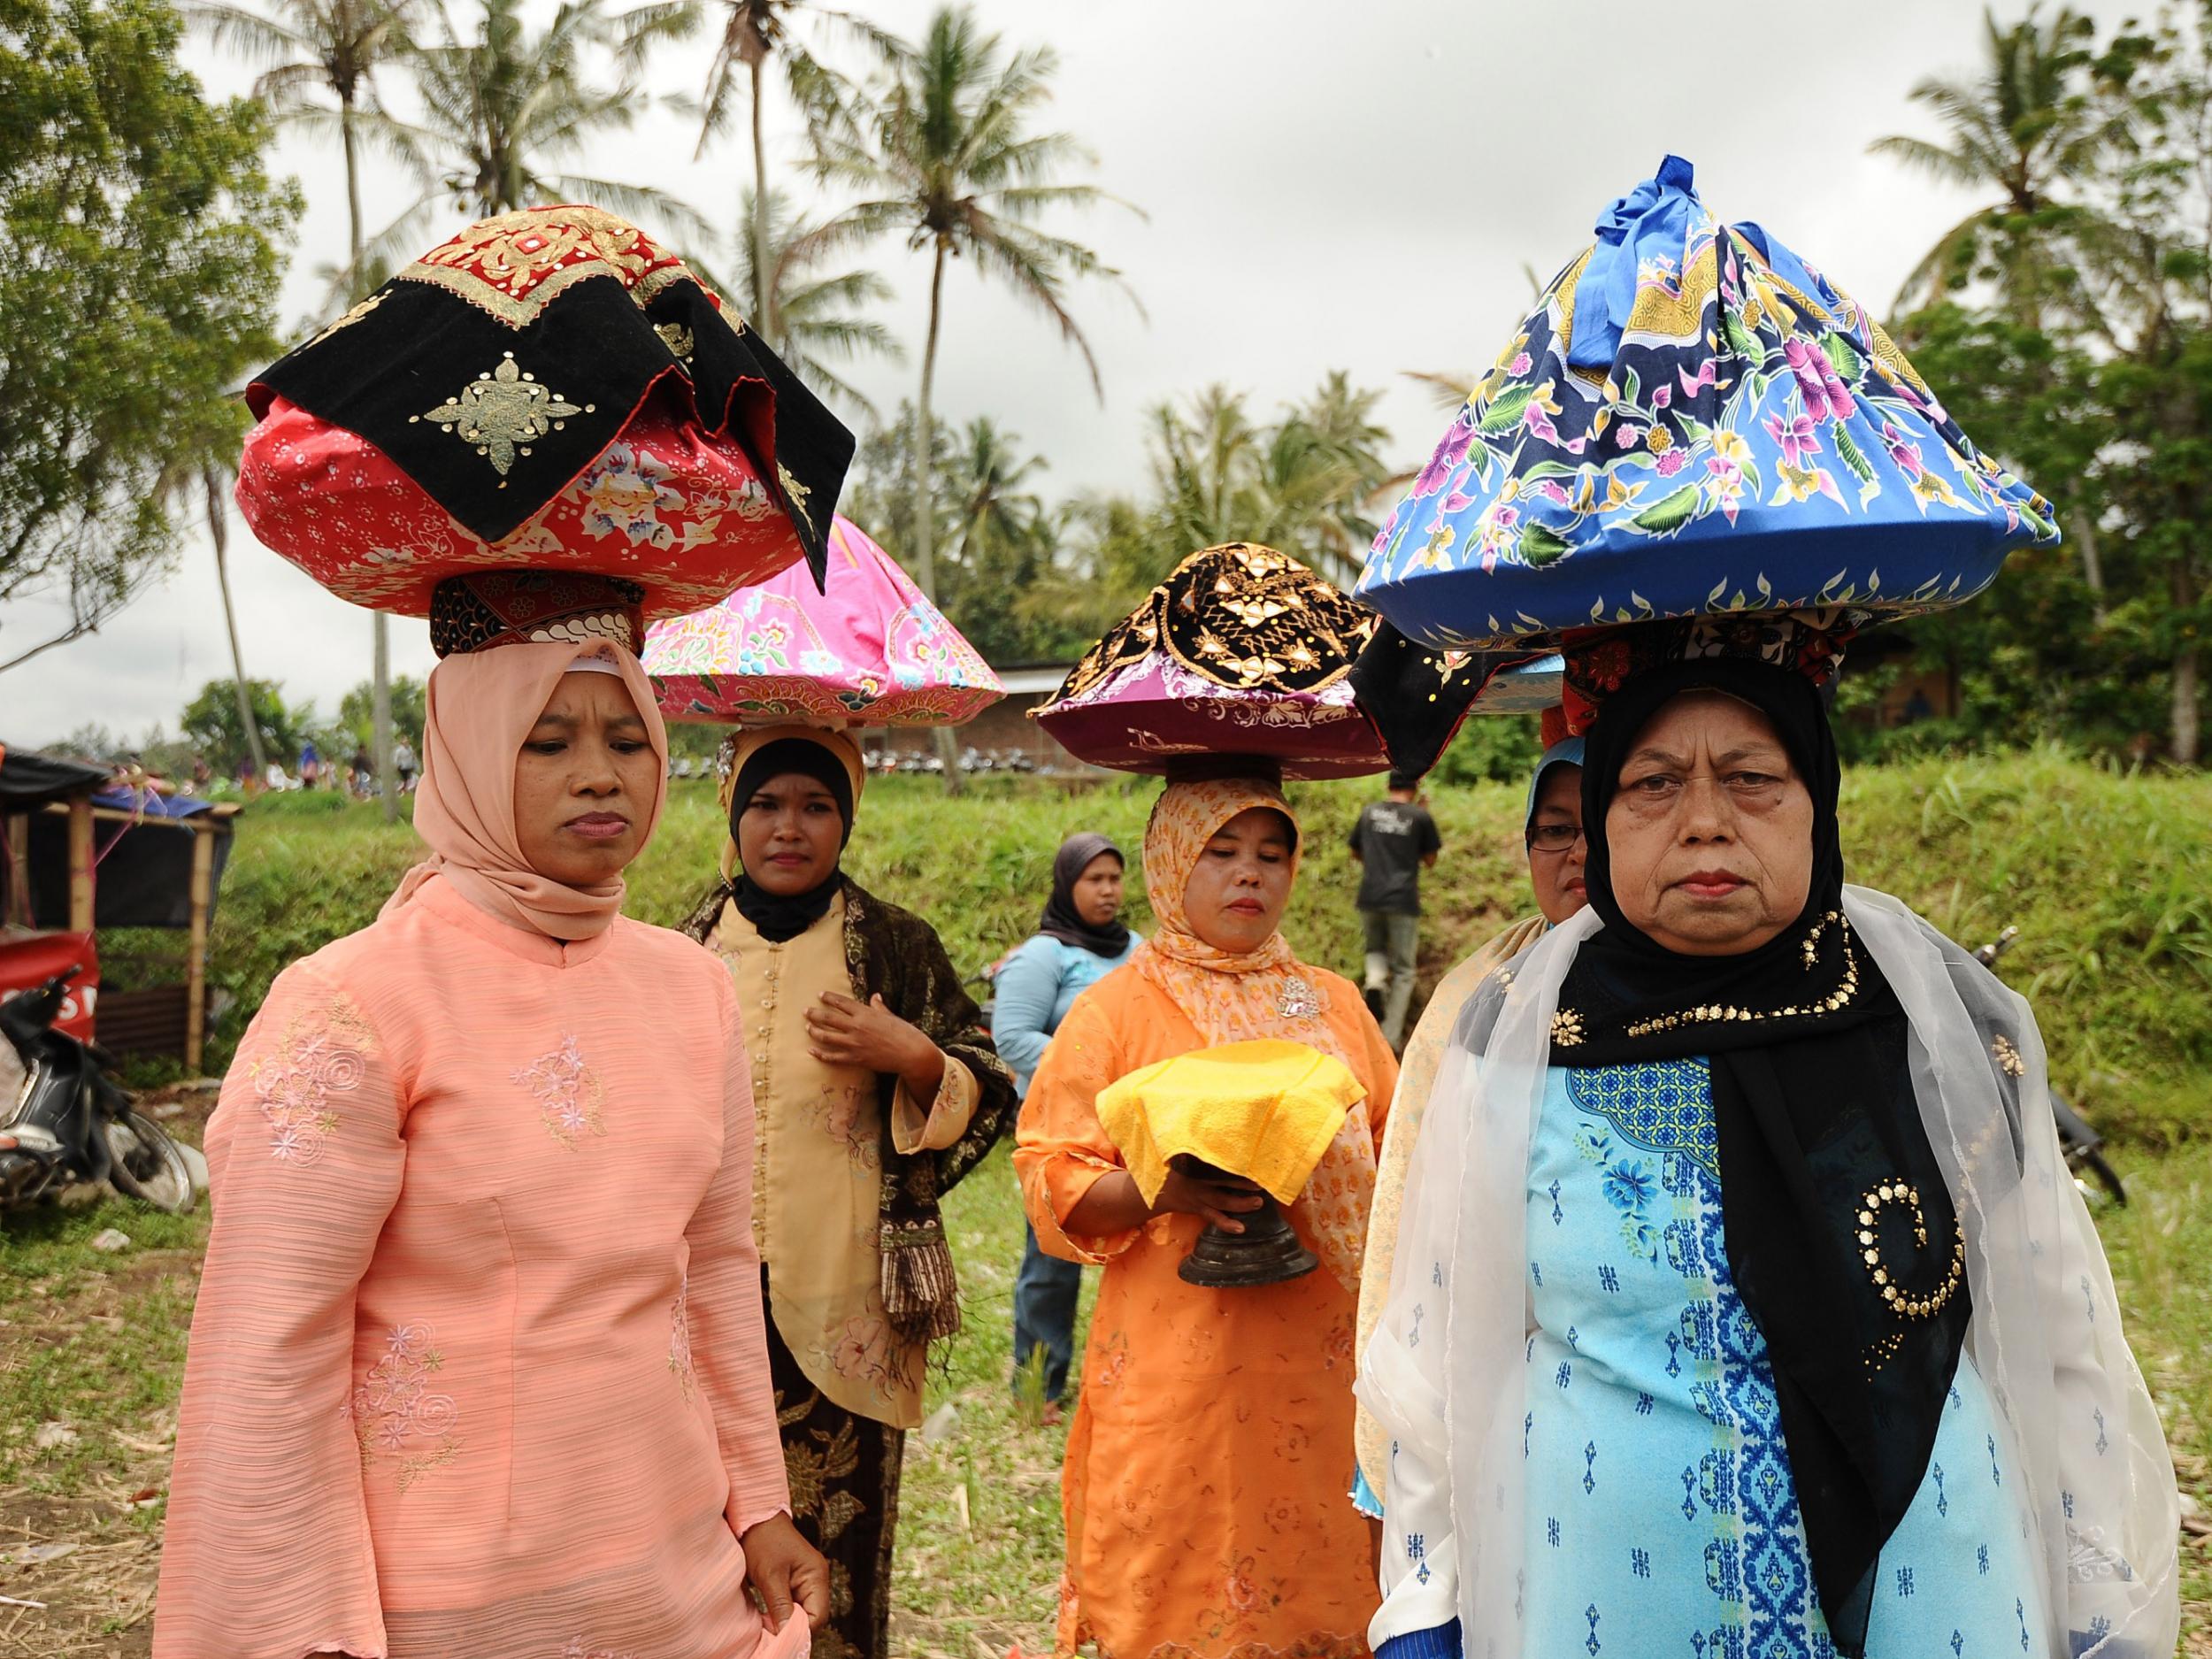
x,y
1302,485
941,147
818,318
2024,132
215,483
319,50
2019,132
754,32
941,150
995,508
1003,538
502,109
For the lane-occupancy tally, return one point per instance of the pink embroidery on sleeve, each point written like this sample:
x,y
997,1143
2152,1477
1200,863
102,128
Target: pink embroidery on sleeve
x,y
568,1092
324,1052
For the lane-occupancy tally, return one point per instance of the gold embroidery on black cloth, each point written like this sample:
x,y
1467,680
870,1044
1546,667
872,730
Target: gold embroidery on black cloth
x,y
678,340
1242,615
499,411
843,1470
796,492
350,317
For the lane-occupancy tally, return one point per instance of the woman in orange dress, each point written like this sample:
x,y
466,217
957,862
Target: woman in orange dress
x,y
1212,1442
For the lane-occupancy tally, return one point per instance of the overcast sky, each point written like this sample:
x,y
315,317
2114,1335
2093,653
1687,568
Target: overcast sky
x,y
1326,187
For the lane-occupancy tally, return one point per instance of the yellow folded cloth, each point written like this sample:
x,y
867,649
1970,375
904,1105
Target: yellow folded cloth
x,y
1266,1111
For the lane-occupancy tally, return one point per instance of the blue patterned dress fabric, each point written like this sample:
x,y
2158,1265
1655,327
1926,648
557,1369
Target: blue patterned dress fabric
x,y
1662,1515
1692,420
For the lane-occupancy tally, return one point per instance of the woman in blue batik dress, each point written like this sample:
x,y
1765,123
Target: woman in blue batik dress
x,y
1742,1306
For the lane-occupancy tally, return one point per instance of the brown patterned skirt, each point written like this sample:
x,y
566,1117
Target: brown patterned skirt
x,y
844,1474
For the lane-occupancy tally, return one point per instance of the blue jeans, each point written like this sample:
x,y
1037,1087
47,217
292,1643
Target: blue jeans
x,y
1045,1294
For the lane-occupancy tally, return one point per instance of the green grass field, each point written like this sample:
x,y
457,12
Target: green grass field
x,y
2109,878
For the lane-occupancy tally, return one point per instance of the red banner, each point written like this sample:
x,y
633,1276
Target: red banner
x,y
28,961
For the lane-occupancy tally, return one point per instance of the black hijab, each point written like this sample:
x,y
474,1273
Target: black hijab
x,y
780,917
1842,1237
1062,920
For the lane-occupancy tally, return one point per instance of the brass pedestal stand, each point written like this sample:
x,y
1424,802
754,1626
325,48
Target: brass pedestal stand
x,y
1267,1252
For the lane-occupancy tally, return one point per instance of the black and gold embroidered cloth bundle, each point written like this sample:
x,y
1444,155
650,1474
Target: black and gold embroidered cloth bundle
x,y
1241,653
549,391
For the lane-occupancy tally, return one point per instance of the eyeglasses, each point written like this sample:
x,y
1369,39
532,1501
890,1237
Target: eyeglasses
x,y
1552,838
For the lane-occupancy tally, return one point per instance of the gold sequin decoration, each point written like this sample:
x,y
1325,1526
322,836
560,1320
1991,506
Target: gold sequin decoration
x,y
2007,1057
1566,1028
1715,1013
1901,1301
501,411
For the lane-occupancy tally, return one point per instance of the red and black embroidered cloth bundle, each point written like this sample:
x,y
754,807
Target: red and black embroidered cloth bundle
x,y
552,392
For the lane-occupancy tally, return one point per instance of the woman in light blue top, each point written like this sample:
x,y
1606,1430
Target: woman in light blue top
x,y
1079,941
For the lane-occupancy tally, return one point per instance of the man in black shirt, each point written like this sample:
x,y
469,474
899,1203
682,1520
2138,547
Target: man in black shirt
x,y
1394,841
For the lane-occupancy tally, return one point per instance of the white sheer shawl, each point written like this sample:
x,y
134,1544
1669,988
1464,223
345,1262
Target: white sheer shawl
x,y
1444,1372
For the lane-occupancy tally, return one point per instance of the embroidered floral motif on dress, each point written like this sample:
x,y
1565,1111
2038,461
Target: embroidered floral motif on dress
x,y
862,1351
324,1052
680,1338
399,1420
578,1649
568,1092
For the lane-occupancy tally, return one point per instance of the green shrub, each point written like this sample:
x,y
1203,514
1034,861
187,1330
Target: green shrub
x,y
2108,874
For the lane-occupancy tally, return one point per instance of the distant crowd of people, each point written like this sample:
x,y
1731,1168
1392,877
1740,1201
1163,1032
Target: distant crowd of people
x,y
357,776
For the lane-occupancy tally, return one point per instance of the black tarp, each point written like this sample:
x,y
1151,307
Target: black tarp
x,y
29,780
144,877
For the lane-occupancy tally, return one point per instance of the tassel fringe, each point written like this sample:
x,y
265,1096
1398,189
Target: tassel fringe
x,y
920,1296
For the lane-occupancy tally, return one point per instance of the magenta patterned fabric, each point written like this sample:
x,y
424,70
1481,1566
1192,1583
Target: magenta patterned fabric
x,y
870,651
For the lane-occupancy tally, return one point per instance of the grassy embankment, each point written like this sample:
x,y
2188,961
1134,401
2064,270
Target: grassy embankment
x,y
2109,878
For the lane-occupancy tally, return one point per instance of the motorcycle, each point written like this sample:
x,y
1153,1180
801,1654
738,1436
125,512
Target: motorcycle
x,y
2083,1145
69,1122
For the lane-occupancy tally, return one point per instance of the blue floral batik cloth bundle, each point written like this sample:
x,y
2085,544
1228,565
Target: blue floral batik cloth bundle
x,y
1692,421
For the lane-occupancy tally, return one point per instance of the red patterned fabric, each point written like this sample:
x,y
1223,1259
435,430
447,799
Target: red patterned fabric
x,y
666,505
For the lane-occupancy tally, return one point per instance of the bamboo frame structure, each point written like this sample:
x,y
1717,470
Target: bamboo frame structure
x,y
203,827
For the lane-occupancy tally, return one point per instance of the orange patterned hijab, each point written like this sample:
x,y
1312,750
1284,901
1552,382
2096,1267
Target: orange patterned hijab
x,y
1236,997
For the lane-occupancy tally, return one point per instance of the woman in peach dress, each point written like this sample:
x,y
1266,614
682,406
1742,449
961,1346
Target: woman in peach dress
x,y
477,1369
1212,1442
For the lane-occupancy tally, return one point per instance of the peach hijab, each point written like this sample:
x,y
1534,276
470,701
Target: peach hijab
x,y
1234,996
480,707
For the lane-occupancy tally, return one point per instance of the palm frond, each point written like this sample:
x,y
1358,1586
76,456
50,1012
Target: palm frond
x,y
249,35
641,202
395,139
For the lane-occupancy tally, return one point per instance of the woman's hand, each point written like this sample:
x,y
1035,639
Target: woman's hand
x,y
1215,1195
841,1030
781,1567
1113,1204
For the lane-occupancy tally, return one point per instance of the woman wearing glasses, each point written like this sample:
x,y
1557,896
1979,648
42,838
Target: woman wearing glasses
x,y
1552,831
